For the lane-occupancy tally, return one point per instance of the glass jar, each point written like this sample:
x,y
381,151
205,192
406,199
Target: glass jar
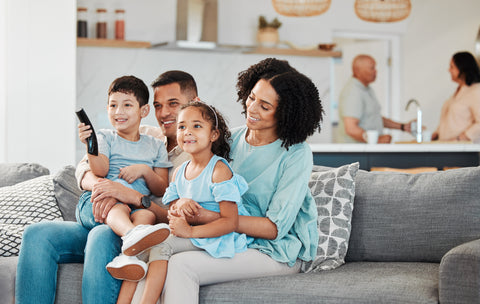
x,y
120,24
82,29
101,23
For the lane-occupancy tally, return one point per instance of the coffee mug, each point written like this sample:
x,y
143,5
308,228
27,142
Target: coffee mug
x,y
372,136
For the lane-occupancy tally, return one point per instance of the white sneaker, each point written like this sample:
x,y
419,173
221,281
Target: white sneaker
x,y
127,268
143,237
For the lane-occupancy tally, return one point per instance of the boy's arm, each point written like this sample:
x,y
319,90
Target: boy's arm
x,y
99,164
156,178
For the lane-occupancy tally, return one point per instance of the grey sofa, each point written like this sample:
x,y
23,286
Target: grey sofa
x,y
414,239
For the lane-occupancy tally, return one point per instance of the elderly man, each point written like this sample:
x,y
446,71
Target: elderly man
x,y
359,108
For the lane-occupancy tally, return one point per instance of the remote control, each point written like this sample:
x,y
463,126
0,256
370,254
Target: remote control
x,y
92,144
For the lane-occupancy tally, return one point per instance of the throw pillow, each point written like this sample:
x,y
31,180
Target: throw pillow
x,y
66,192
14,173
22,204
334,192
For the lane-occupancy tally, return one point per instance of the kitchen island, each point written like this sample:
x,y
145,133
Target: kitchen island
x,y
401,155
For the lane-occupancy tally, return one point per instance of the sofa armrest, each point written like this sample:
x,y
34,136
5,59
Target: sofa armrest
x,y
459,274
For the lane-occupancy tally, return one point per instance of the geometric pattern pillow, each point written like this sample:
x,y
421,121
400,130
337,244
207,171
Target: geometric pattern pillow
x,y
22,204
334,192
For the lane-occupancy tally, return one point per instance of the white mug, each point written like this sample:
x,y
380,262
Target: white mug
x,y
372,136
426,136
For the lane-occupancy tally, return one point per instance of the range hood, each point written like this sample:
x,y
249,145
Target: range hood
x,y
196,24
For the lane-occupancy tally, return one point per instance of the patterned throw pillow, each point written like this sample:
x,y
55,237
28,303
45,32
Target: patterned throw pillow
x,y
22,204
333,190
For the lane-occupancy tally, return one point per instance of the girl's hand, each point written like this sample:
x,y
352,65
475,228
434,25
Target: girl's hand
x,y
84,132
187,207
133,172
179,227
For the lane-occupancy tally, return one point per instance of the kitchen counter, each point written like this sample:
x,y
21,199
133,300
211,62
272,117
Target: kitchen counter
x,y
401,155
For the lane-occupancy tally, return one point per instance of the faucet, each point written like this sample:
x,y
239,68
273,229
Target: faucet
x,y
417,133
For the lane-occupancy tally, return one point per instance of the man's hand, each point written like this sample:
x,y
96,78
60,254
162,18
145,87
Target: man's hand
x,y
105,188
133,172
384,139
101,208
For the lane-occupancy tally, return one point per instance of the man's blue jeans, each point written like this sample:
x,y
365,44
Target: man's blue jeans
x,y
47,244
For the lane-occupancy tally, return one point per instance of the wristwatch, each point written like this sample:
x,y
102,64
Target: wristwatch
x,y
146,202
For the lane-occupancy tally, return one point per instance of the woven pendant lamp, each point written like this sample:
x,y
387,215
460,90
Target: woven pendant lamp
x,y
382,10
301,8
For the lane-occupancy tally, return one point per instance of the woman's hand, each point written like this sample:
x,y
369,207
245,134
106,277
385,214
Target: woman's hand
x,y
179,226
187,207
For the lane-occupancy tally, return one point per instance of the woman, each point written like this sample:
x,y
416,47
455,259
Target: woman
x,y
282,108
460,116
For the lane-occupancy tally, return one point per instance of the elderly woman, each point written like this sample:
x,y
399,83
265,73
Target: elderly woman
x,y
460,116
282,108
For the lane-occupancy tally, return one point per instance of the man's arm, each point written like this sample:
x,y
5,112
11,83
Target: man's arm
x,y
353,129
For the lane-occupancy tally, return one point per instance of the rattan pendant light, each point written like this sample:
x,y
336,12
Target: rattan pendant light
x,y
382,10
301,8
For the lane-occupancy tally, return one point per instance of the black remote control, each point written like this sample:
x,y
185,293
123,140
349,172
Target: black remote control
x,y
92,144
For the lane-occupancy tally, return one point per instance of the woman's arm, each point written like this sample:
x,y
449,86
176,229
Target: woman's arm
x,y
226,222
254,226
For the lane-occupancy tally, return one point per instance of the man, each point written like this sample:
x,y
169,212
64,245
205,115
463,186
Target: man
x,y
359,108
47,244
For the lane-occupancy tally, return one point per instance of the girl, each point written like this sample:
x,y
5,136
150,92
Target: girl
x,y
208,179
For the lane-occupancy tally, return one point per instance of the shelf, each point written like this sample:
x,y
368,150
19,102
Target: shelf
x,y
112,43
294,52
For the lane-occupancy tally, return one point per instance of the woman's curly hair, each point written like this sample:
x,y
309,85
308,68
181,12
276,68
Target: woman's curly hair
x,y
221,146
299,112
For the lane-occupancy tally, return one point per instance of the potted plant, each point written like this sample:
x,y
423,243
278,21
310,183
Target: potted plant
x,y
267,34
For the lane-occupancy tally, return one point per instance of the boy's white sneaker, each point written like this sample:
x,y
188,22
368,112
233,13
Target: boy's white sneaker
x,y
124,267
143,237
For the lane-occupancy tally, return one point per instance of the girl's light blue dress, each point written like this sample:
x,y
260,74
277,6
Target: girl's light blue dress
x,y
208,194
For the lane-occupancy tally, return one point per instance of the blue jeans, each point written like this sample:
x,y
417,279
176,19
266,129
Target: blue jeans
x,y
84,212
47,244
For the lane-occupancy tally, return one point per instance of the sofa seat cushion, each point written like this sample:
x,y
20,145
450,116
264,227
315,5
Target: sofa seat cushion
x,y
356,282
405,217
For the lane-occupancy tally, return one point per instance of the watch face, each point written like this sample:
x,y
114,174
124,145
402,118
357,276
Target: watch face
x,y
146,202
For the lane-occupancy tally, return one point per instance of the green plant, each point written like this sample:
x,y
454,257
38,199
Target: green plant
x,y
263,23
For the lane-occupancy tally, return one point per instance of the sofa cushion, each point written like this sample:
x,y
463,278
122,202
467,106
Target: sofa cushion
x,y
66,192
414,217
22,204
359,283
14,173
333,191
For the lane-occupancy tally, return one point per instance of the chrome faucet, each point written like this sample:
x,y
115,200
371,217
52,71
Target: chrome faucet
x,y
418,132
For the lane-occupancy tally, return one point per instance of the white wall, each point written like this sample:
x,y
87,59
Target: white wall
x,y
40,82
437,29
3,79
38,85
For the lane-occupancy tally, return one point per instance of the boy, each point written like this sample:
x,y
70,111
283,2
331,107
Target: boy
x,y
127,157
